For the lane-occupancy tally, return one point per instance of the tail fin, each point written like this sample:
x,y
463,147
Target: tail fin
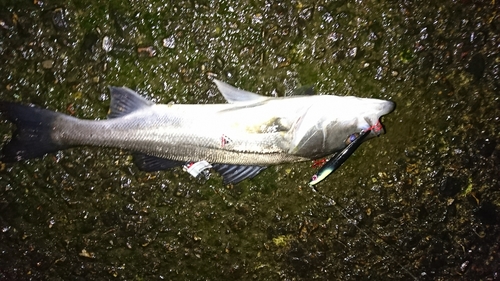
x,y
32,136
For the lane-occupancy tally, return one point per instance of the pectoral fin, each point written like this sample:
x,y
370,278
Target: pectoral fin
x,y
236,173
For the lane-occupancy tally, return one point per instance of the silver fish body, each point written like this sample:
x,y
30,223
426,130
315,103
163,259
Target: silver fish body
x,y
249,130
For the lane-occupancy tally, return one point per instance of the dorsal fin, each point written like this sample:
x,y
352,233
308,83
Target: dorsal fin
x,y
125,101
235,95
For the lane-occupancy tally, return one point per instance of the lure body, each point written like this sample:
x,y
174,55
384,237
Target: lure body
x,y
335,162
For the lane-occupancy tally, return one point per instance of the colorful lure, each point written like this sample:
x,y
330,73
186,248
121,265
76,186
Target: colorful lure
x,y
353,141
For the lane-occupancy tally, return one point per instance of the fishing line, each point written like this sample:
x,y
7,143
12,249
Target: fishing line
x,y
339,209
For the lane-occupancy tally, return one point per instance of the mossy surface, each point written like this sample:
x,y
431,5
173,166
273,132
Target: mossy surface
x,y
422,201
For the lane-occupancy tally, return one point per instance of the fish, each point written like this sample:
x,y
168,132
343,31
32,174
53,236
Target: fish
x,y
237,139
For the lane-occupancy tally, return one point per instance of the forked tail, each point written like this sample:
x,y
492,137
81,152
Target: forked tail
x,y
32,136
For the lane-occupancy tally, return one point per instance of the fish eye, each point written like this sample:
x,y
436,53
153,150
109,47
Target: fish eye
x,y
351,138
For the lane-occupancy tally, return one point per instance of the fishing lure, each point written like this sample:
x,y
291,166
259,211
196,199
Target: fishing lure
x,y
353,141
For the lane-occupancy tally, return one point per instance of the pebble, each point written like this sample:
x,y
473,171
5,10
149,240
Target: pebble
x,y
47,64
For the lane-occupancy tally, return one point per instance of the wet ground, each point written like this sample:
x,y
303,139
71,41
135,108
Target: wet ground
x,y
420,202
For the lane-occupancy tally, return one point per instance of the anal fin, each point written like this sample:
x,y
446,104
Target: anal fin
x,y
236,173
150,163
231,174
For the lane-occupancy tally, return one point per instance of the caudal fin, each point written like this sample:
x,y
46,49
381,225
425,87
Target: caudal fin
x,y
32,136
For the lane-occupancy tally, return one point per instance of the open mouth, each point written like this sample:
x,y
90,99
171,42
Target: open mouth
x,y
376,128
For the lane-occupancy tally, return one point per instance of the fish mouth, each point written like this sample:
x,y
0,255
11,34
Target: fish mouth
x,y
374,125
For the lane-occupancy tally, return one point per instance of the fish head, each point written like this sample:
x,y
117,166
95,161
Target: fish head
x,y
369,113
330,121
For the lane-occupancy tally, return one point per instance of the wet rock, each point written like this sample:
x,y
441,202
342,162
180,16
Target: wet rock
x,y
486,147
450,186
306,13
476,66
47,64
49,77
427,62
90,42
488,213
25,26
59,19
122,24
110,218
107,44
169,42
